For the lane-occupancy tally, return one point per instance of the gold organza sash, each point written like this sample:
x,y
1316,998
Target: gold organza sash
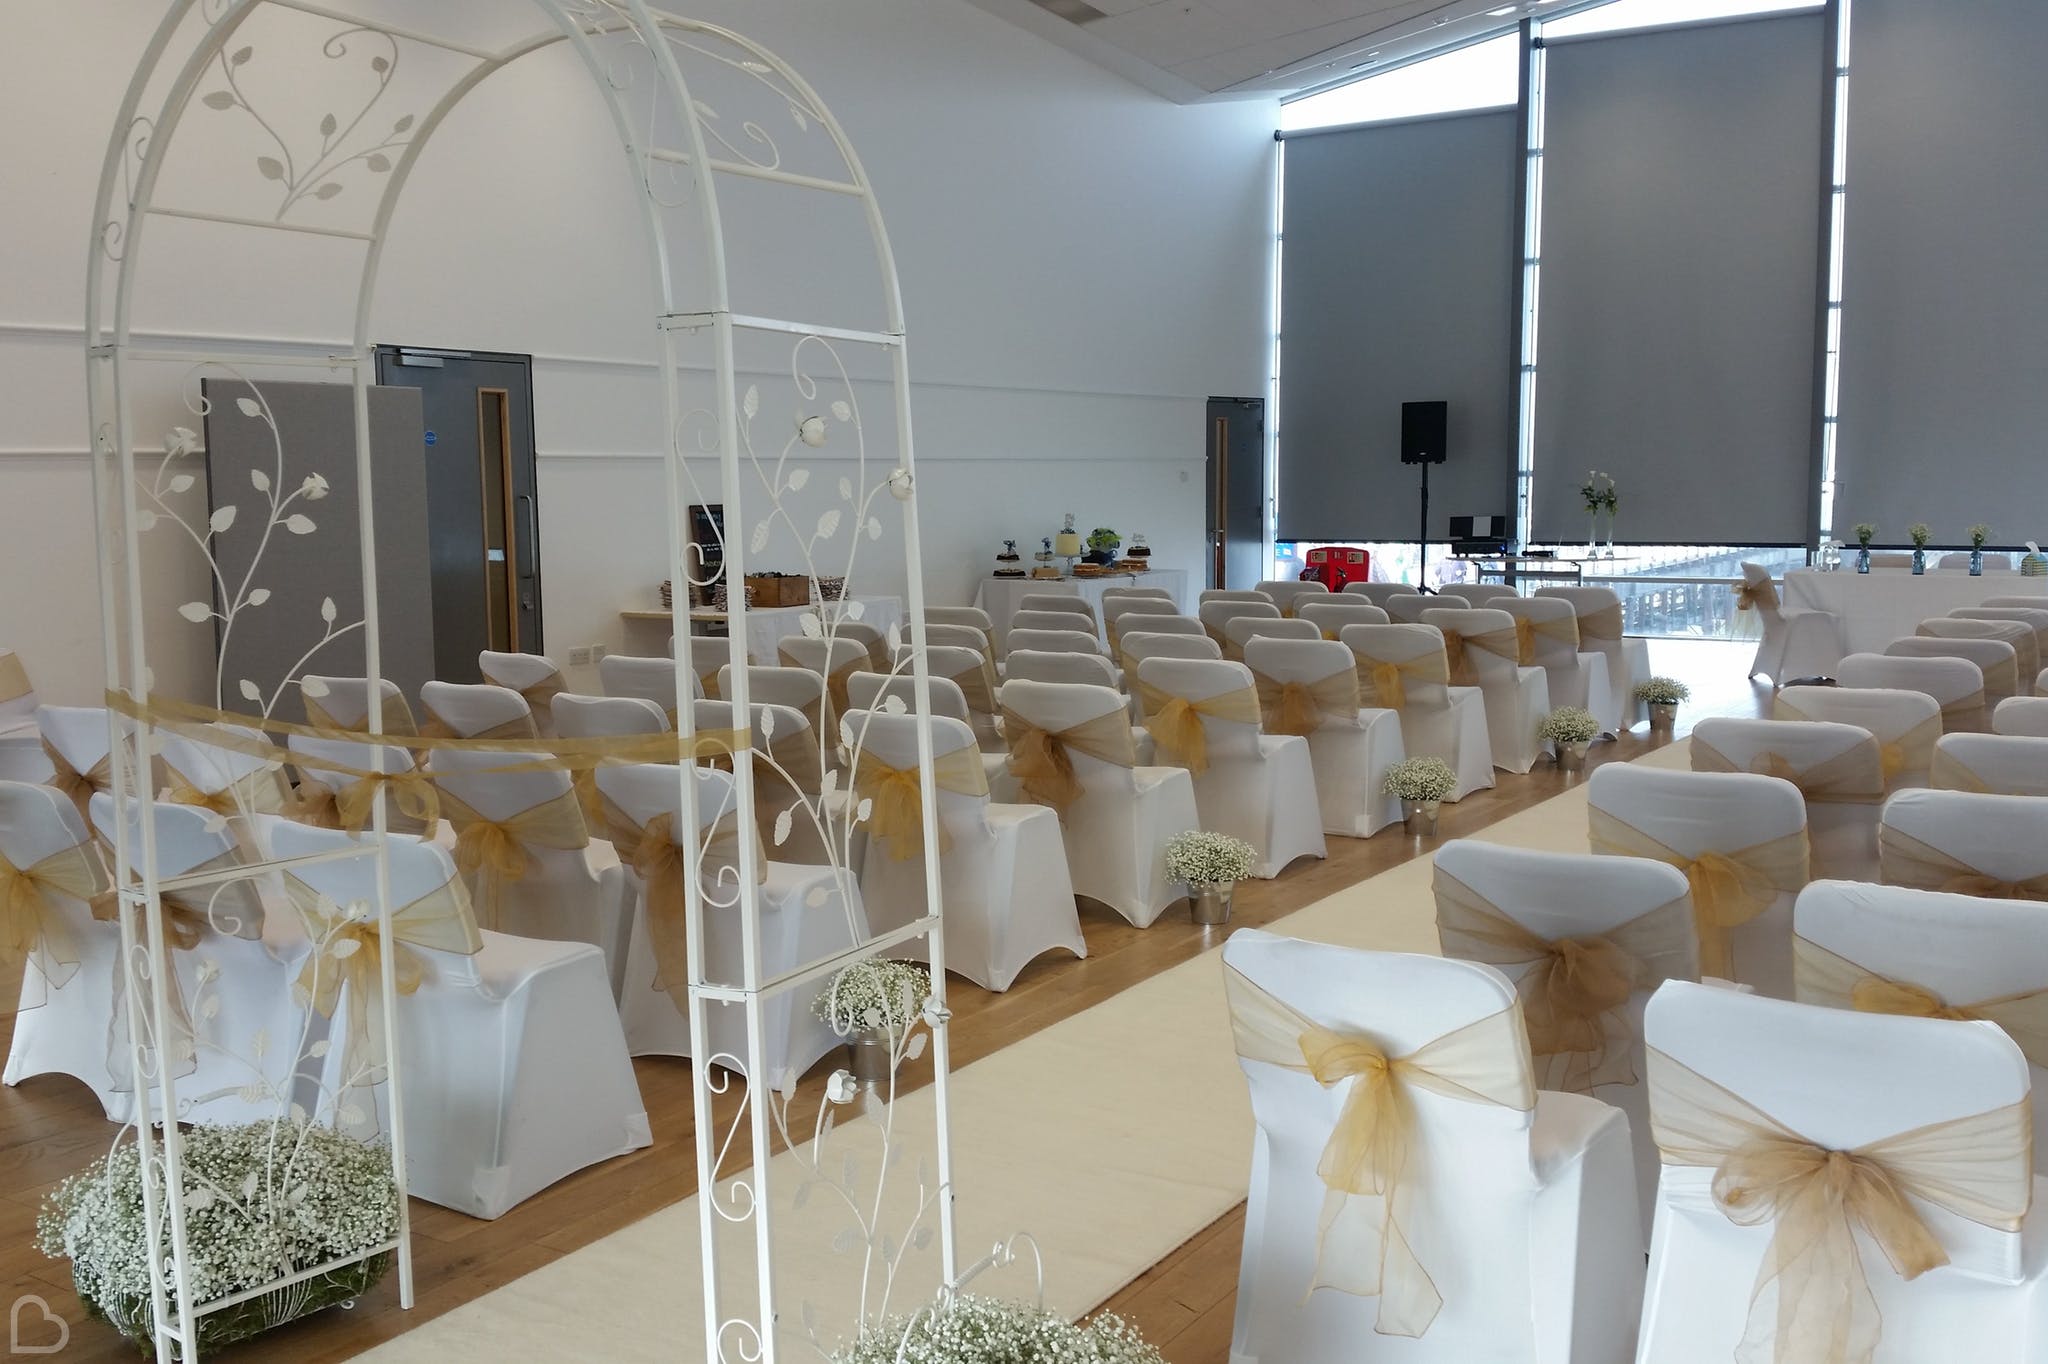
x,y
412,793
1947,772
1603,624
896,796
1517,643
1812,1302
1576,990
76,786
1383,682
13,677
1825,977
252,793
1564,629
1907,861
835,681
1366,1164
347,950
1912,751
1175,722
1856,774
1965,710
978,685
517,727
1296,707
397,718
651,850
1042,759
1756,596
497,851
1728,888
32,927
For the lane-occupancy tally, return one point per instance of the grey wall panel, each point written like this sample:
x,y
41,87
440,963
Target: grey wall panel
x,y
1680,249
1944,408
316,434
1400,244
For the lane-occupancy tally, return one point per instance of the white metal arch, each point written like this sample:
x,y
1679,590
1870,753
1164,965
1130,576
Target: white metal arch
x,y
126,201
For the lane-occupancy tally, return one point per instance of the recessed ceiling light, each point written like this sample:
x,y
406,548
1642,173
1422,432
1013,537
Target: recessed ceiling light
x,y
1504,9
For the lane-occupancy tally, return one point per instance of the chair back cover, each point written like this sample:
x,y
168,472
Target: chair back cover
x,y
891,740
1240,629
866,690
798,688
1088,669
2019,634
419,868
650,679
1904,723
1118,613
17,697
1160,625
2000,764
2034,600
1053,641
1332,613
971,616
1216,614
603,717
520,837
1956,685
1825,760
959,636
477,710
708,653
1231,594
1051,620
1286,592
2035,618
75,737
1376,593
1553,630
1071,602
1137,647
1995,659
233,782
1111,593
344,703
50,875
2026,715
1216,696
1485,594
1967,843
1055,709
1399,666
1483,647
1406,608
1304,684
533,676
332,796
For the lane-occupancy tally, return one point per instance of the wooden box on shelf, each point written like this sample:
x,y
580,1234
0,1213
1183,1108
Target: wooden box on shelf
x,y
778,589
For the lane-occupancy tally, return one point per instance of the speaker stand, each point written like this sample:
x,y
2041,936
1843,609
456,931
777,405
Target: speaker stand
x,y
1422,540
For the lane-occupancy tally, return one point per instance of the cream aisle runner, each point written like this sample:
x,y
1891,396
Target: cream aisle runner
x,y
1112,1137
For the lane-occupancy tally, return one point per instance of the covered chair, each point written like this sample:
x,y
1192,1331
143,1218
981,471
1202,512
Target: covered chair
x,y
74,739
868,637
1310,687
1402,668
1153,627
2034,618
960,636
2019,634
1955,685
1406,608
1586,941
533,676
601,717
1111,593
1054,641
1508,1226
972,616
1814,1123
338,780
1053,620
1483,594
226,769
21,756
1210,594
1215,615
808,913
1485,650
1204,715
1139,647
1068,601
1740,839
709,653
800,689
1120,613
1088,669
344,703
1904,723
2021,715
1996,659
1838,768
1891,950
2035,600
476,710
1797,642
1286,593
1376,593
868,691
971,671
1071,750
516,1072
788,777
1998,764
1331,614
650,679
1966,843
833,660
1600,631
1004,884
1577,677
1239,630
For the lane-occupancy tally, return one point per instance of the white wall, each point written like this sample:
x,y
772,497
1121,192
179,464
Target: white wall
x,y
1082,264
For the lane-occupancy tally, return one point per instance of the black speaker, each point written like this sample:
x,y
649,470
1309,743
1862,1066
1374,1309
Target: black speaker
x,y
1424,428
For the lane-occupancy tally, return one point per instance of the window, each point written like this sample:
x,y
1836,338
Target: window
x,y
1477,77
1627,14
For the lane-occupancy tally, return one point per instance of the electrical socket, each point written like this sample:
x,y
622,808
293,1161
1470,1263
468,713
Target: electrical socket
x,y
598,653
579,658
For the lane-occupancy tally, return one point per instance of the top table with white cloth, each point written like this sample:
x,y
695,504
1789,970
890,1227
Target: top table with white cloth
x,y
1889,603
1003,597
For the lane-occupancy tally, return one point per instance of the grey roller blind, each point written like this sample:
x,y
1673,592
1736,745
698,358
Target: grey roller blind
x,y
1397,284
1681,238
1944,379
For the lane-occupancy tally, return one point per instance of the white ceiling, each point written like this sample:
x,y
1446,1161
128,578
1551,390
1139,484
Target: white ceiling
x,y
1200,49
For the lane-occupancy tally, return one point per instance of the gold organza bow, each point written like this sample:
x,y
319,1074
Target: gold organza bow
x,y
663,867
1947,772
1825,977
1605,623
1855,775
1383,682
1296,707
1575,991
1757,596
540,698
835,681
517,727
1728,888
1042,759
32,927
497,851
79,787
1907,861
1175,722
896,812
14,682
396,719
1912,751
1365,1165
1812,1302
260,792
1515,643
347,951
412,793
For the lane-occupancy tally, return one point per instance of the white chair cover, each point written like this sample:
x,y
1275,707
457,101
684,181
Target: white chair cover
x,y
21,755
1577,677
598,717
1587,941
1070,602
533,676
1890,950
959,636
1111,593
1232,594
1052,620
1005,888
1349,747
789,769
2036,600
2000,764
1798,642
1839,769
1904,723
236,785
1510,1232
1995,659
75,740
1955,685
1121,613
795,932
1728,1070
2035,618
2027,715
345,702
1286,593
1331,614
650,679
2019,634
1258,787
1240,629
1966,843
474,710
516,1072
866,690
1052,641
974,675
1215,615
1136,647
972,616
1600,631
1091,670
709,653
329,792
1437,720
1406,608
1741,841
1484,594
1377,593
1120,819
1516,697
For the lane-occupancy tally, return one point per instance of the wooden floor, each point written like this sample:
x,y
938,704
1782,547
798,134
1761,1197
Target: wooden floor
x,y
50,1126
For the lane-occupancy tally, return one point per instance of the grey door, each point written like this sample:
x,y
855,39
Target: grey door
x,y
1237,492
483,510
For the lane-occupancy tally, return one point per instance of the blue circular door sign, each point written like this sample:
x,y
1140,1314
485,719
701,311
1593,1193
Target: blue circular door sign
x,y
430,438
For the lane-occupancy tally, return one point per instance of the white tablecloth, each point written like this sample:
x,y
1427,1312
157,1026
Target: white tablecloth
x,y
1889,603
768,625
1000,597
